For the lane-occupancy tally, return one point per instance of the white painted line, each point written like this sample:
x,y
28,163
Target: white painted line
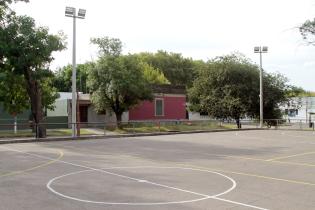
x,y
238,203
114,203
193,169
135,179
204,196
160,203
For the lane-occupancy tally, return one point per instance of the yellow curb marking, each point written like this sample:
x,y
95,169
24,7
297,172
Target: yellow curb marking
x,y
61,154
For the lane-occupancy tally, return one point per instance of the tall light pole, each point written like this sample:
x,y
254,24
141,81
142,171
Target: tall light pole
x,y
261,50
71,12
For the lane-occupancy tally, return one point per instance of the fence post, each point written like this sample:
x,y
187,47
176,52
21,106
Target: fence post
x,y
78,129
36,131
159,123
15,124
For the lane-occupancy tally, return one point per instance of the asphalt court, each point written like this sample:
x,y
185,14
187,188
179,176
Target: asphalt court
x,y
267,169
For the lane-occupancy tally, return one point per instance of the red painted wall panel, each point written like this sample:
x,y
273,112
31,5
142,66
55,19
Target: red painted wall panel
x,y
174,109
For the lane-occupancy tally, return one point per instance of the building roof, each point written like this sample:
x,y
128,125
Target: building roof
x,y
169,89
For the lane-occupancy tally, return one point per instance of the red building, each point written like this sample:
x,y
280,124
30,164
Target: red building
x,y
169,103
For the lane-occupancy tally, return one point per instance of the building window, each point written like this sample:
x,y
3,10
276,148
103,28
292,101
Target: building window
x,y
159,107
292,112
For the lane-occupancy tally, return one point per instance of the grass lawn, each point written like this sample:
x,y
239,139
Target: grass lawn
x,y
173,128
50,132
20,133
142,128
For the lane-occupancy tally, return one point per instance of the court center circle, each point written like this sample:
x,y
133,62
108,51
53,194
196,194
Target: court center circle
x,y
202,196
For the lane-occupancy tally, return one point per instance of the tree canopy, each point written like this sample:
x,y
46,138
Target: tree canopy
x,y
119,82
177,69
307,30
13,94
228,88
26,52
63,82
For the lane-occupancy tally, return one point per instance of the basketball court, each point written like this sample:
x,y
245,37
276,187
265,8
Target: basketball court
x,y
266,169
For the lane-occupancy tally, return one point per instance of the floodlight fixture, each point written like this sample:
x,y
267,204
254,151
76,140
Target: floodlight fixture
x,y
264,49
70,11
81,13
256,49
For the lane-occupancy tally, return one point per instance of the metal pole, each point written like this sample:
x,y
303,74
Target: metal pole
x,y
74,88
78,114
261,92
15,124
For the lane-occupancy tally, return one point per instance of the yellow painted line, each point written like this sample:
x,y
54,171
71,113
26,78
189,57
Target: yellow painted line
x,y
293,163
263,160
216,155
296,155
237,157
252,175
274,161
239,173
61,154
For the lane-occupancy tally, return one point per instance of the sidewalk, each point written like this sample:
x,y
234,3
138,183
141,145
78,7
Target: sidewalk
x,y
110,134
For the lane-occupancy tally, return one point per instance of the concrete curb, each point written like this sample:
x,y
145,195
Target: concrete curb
x,y
92,137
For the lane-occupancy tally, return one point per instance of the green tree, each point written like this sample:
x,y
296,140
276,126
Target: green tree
x,y
4,5
177,69
25,50
229,88
13,94
275,93
307,30
117,81
63,78
294,91
153,75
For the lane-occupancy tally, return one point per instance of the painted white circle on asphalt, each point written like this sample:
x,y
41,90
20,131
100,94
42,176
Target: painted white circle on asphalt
x,y
203,196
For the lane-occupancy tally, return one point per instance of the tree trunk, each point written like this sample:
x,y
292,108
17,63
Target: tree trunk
x,y
238,123
35,94
118,119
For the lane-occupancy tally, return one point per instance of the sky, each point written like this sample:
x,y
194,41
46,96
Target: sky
x,y
200,29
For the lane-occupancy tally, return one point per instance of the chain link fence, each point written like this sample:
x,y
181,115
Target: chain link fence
x,y
25,128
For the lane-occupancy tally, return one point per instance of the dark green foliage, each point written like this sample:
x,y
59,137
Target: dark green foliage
x,y
13,94
118,84
228,88
63,78
275,93
177,69
25,53
117,81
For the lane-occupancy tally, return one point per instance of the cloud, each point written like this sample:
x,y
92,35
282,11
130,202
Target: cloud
x,y
309,64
